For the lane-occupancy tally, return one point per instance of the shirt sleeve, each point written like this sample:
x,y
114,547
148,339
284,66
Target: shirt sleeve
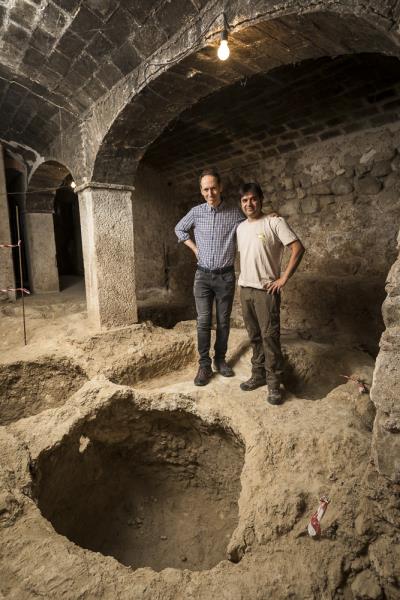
x,y
281,228
183,227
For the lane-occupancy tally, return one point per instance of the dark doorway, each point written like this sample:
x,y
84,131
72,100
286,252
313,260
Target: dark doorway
x,y
67,233
16,188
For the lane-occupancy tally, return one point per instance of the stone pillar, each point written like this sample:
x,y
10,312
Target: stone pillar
x,y
42,252
7,277
385,391
108,253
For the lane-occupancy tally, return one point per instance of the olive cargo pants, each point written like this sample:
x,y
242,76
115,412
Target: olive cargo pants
x,y
261,314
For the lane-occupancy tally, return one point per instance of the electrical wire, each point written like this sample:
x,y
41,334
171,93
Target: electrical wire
x,y
60,187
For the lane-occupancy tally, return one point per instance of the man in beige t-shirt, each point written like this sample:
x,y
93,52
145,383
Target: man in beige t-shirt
x,y
261,241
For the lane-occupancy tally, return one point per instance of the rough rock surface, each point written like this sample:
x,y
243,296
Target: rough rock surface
x,y
236,541
365,585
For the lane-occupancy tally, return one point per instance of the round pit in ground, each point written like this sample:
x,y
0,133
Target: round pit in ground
x,y
150,488
28,388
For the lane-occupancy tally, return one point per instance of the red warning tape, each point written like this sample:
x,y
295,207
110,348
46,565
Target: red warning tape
x,y
23,290
314,526
362,388
11,245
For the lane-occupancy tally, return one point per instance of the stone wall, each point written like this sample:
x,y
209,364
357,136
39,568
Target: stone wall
x,y
341,198
385,391
161,263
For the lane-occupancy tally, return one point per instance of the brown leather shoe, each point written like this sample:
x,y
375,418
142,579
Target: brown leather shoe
x,y
203,376
252,384
222,367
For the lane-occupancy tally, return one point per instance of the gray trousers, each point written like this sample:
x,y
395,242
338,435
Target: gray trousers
x,y
261,314
207,288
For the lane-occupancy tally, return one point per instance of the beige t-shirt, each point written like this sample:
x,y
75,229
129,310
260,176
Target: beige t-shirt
x,y
261,244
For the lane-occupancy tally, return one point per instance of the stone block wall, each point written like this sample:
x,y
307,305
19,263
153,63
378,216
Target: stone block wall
x,y
385,391
163,267
342,199
341,196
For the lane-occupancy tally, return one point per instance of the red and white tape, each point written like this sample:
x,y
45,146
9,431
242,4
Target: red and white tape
x,y
314,526
23,290
11,245
362,388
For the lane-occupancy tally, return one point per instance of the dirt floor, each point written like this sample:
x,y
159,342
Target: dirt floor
x,y
119,479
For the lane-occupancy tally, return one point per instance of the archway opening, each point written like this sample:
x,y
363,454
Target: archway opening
x,y
54,234
321,138
284,54
265,47
67,232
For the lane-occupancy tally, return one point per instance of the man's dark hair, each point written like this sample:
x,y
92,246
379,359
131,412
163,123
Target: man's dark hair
x,y
212,172
251,188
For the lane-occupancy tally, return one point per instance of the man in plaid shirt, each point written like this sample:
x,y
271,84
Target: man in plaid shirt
x,y
214,224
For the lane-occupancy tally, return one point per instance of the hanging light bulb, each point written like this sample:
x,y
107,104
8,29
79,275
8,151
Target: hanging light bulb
x,y
73,184
223,48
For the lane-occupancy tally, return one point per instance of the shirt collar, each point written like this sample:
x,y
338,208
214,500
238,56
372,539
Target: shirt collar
x,y
217,208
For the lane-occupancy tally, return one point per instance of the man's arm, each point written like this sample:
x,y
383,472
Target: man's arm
x,y
190,244
297,251
182,231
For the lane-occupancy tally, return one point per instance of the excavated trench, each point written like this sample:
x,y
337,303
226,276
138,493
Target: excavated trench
x,y
28,388
150,488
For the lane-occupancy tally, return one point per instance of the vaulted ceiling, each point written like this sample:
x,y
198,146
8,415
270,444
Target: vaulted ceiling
x,y
57,57
280,111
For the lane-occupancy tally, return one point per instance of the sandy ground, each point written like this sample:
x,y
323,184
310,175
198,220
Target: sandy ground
x,y
89,416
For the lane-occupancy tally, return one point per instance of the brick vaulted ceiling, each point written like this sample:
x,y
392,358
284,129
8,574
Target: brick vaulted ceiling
x,y
57,57
257,49
286,109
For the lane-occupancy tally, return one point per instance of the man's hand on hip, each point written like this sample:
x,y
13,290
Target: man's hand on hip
x,y
296,254
190,244
274,287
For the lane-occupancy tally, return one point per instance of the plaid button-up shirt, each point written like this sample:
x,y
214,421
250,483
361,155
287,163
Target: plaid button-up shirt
x,y
214,233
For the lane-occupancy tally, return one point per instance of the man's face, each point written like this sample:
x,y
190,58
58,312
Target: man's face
x,y
211,190
251,205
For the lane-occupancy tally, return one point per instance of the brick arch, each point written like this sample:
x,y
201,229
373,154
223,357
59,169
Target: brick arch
x,y
268,42
269,39
43,183
45,226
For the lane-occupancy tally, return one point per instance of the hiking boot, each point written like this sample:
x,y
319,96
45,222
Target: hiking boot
x,y
203,376
274,395
222,367
252,384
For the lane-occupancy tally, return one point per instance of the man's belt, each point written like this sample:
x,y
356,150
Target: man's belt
x,y
216,271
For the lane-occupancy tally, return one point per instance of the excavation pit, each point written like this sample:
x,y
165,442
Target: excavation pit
x,y
152,359
313,370
150,488
28,388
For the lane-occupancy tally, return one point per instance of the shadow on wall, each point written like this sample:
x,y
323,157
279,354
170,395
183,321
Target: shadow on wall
x,y
327,306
